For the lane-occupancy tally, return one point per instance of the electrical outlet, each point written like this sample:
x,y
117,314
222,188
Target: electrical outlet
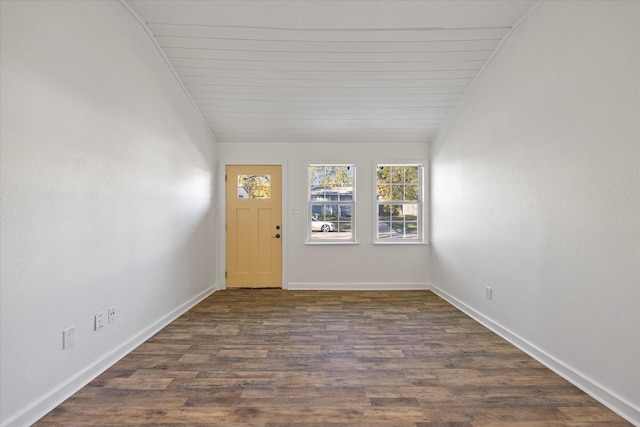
x,y
98,321
111,315
489,293
69,338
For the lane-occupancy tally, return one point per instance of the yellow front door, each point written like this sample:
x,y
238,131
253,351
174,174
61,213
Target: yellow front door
x,y
254,226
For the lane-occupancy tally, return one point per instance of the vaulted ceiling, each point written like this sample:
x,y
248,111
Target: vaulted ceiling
x,y
328,71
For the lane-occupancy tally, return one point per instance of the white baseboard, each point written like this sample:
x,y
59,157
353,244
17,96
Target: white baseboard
x,y
357,286
65,390
621,406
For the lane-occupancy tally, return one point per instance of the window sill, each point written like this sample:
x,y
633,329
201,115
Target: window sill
x,y
400,242
330,242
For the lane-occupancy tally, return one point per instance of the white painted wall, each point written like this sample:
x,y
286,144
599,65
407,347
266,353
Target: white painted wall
x,y
107,196
536,192
360,266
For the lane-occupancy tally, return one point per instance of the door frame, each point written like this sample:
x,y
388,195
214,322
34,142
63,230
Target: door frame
x,y
222,212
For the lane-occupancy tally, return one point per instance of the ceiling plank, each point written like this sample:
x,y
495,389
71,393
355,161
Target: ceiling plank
x,y
328,71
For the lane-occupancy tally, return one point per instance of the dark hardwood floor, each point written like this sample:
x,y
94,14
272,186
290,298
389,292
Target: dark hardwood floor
x,y
328,358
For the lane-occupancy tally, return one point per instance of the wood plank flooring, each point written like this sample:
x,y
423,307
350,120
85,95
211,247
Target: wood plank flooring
x,y
272,358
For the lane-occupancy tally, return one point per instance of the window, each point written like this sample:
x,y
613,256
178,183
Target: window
x,y
331,203
399,203
254,186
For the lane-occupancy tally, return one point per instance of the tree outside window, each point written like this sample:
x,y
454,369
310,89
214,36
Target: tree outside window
x,y
254,186
399,202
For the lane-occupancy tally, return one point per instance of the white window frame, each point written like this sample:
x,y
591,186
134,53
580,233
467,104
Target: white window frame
x,y
421,238
329,238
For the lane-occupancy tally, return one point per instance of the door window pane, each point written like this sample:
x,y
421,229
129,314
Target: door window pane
x,y
254,186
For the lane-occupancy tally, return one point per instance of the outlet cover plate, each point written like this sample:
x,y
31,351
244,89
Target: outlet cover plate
x,y
69,338
489,293
98,321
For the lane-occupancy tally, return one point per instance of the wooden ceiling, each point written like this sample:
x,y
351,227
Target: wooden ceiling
x,y
328,71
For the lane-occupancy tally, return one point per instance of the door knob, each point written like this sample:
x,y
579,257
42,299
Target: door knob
x,y
277,236
277,227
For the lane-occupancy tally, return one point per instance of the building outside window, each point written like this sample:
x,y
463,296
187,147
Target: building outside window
x,y
331,203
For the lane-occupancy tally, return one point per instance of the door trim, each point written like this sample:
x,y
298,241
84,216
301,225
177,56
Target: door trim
x,y
222,212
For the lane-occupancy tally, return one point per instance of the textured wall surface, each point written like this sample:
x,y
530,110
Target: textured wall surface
x,y
536,193
107,195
